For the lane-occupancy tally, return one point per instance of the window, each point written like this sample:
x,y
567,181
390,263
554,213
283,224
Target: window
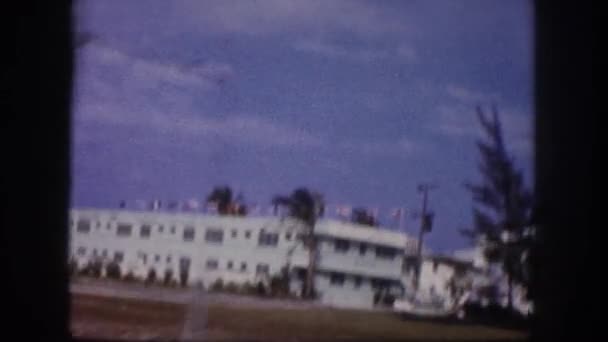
x,y
233,233
341,246
229,265
336,279
362,248
108,226
97,225
94,252
379,283
81,251
435,266
144,231
247,234
262,269
288,236
143,257
211,264
161,228
118,256
123,230
243,266
268,239
172,229
83,226
188,234
385,252
168,259
104,253
156,258
214,235
358,281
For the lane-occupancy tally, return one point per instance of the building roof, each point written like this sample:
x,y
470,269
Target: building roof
x,y
372,235
326,227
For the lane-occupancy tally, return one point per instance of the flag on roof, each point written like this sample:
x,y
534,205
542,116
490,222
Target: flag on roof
x,y
211,207
191,204
397,212
155,205
255,209
343,210
173,205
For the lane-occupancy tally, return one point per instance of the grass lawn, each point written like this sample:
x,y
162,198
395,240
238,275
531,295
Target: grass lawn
x,y
104,317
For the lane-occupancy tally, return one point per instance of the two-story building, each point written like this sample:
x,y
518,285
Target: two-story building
x,y
354,263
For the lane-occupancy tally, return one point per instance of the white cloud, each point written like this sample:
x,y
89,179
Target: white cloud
x,y
365,55
407,53
141,100
148,73
469,96
459,120
277,16
401,147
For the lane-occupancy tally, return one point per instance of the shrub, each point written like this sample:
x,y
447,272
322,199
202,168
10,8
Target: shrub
x,y
151,278
261,289
113,270
217,285
247,288
231,287
130,277
168,277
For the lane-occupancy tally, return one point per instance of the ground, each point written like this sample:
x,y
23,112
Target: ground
x,y
107,317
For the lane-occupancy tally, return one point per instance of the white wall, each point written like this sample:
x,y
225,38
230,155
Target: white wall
x,y
239,249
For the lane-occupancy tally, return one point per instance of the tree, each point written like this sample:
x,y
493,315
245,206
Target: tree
x,y
226,205
503,205
363,217
307,207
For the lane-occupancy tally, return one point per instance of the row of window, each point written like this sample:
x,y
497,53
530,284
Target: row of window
x,y
342,246
119,256
215,235
338,279
213,264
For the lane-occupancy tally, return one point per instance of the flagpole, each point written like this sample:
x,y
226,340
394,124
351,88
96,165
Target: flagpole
x,y
401,212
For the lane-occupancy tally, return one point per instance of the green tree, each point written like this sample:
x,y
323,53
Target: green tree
x,y
502,207
306,206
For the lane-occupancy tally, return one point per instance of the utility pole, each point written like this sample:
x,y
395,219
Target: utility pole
x,y
424,221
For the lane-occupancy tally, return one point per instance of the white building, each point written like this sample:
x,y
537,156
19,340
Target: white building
x,y
354,262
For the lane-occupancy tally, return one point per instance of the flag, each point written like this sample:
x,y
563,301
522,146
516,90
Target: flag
x,y
154,205
373,212
254,209
211,208
397,212
191,204
343,211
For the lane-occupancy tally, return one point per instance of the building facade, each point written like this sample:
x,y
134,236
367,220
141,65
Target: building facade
x,y
355,264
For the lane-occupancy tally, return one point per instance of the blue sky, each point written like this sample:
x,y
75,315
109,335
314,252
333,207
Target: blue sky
x,y
360,100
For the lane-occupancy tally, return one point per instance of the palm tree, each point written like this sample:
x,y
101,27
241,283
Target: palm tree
x,y
506,203
226,205
307,207
361,216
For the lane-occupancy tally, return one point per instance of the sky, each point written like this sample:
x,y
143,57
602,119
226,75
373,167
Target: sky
x,y
359,100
